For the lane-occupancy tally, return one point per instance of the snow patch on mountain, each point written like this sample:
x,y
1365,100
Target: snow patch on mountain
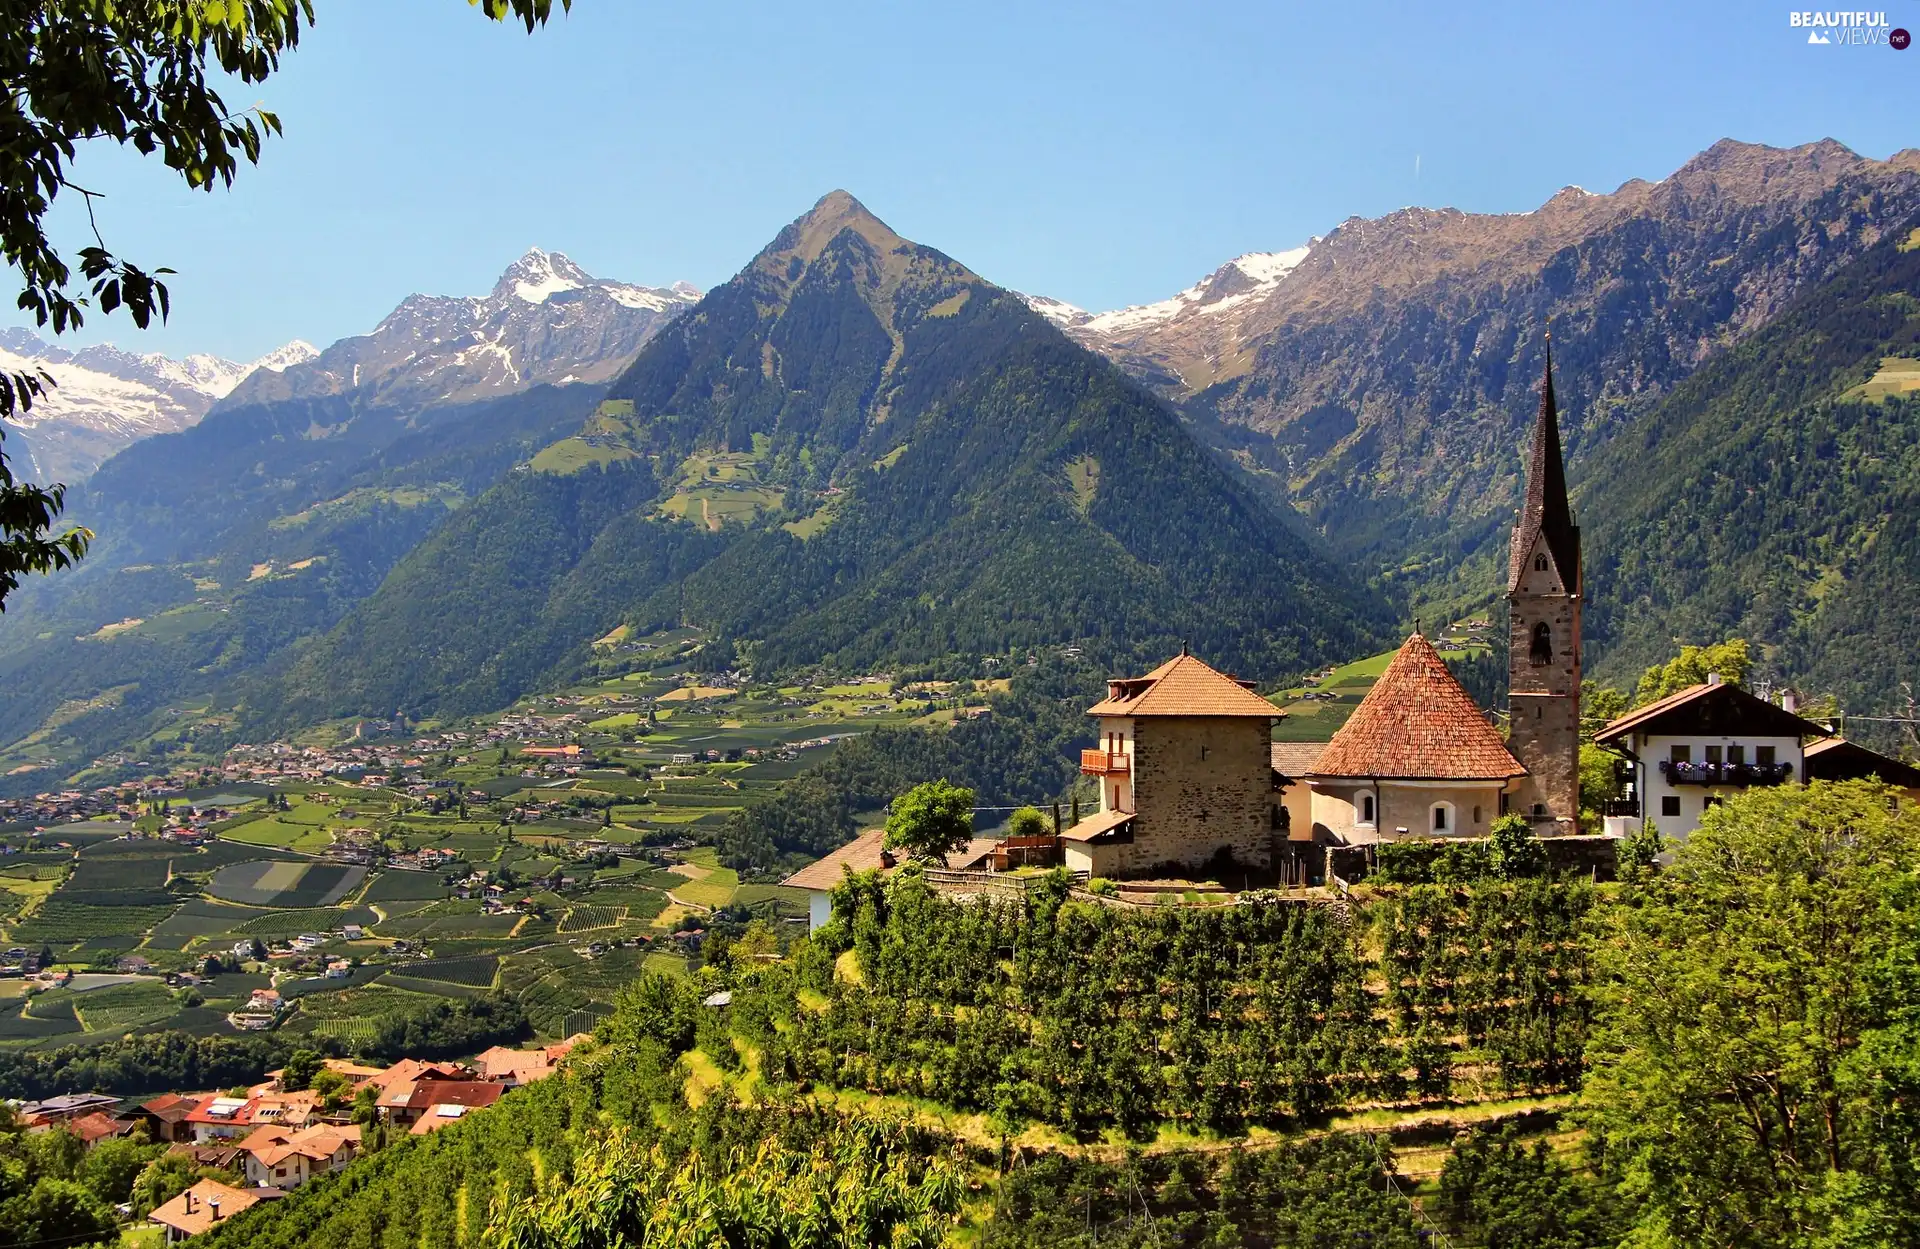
x,y
1058,311
1243,280
103,399
545,320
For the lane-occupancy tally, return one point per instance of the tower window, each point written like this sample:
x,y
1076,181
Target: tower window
x,y
1541,652
1539,563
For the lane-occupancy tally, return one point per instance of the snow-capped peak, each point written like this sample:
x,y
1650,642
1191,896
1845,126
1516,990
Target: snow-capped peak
x,y
539,274
1242,281
299,351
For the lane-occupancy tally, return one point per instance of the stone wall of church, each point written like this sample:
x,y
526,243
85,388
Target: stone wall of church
x,y
1544,698
1201,784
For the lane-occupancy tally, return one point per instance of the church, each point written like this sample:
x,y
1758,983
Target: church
x,y
1189,776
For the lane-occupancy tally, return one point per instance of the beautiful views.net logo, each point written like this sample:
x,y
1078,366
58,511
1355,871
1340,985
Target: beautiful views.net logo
x,y
1856,29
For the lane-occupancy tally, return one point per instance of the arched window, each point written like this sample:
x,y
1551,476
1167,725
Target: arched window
x,y
1442,817
1540,563
1541,651
1363,808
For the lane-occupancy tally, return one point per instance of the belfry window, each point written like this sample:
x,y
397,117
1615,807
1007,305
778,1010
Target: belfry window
x,y
1541,652
1539,563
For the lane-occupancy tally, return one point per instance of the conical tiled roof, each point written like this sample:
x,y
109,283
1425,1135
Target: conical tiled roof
x,y
1183,686
1417,723
1546,512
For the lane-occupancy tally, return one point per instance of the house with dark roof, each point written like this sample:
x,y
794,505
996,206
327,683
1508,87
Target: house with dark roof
x,y
1418,758
1837,759
1695,749
1185,771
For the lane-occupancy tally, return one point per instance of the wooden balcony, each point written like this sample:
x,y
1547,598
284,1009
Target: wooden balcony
x,y
1679,773
1104,763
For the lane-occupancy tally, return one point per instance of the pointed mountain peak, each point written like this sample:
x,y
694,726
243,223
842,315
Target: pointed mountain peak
x,y
539,274
834,214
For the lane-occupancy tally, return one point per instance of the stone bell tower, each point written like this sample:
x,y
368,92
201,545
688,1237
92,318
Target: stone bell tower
x,y
1543,619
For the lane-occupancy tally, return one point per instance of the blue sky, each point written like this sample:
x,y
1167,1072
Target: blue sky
x,y
1104,153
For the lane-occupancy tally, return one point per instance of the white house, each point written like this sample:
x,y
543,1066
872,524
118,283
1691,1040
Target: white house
x,y
1695,749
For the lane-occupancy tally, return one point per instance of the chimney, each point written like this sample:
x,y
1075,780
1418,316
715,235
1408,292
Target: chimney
x,y
1789,701
213,1204
1713,678
189,1196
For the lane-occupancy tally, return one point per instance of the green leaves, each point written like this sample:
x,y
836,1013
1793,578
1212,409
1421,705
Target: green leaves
x,y
1757,1046
931,820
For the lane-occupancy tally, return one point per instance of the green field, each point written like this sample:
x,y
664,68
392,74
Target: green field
x,y
286,884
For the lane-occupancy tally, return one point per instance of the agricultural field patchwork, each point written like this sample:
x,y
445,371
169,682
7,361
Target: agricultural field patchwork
x,y
544,882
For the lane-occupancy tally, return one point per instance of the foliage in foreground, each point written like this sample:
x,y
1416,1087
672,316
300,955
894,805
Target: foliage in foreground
x,y
861,1182
1756,1076
1327,1191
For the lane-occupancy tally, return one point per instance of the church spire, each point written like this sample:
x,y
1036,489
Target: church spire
x,y
1546,512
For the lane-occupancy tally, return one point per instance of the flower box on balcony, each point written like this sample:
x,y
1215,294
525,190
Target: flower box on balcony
x,y
1726,773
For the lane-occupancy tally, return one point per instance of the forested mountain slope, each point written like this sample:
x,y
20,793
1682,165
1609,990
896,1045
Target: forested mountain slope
x,y
857,452
1383,383
220,545
1776,495
190,585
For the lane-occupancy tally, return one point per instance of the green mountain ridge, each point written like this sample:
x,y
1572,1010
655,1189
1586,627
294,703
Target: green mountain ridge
x,y
967,481
1776,496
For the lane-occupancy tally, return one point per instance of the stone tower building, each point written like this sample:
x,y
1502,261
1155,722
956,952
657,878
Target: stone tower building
x,y
1543,614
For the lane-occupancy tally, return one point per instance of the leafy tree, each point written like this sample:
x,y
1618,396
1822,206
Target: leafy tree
x,y
111,1166
56,1212
366,1105
1028,822
1599,778
1599,706
1513,851
302,1066
1756,1073
332,1087
931,820
1509,1196
1692,666
1641,851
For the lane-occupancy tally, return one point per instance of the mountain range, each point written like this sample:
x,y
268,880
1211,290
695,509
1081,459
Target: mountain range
x,y
858,453
103,399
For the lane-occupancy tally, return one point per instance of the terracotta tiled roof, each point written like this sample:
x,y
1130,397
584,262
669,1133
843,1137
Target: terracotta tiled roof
x,y
1297,759
867,852
1094,825
1417,723
170,1107
192,1212
1183,686
472,1093
862,854
97,1127
525,1066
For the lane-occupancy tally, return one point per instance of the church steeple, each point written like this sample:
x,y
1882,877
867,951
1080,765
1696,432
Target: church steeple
x,y
1543,618
1546,513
